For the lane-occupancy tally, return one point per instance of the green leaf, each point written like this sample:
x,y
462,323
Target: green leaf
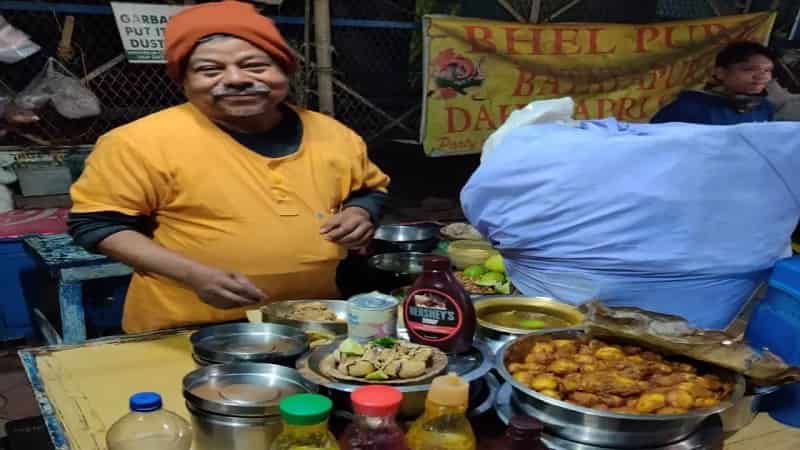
x,y
385,342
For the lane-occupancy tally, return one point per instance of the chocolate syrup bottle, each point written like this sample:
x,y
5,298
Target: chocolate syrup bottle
x,y
438,311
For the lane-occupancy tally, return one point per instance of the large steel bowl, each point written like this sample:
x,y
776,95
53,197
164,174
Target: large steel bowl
x,y
603,428
496,335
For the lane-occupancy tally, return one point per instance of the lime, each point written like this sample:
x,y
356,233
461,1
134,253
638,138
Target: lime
x,y
495,264
351,347
474,272
377,375
531,324
491,279
504,288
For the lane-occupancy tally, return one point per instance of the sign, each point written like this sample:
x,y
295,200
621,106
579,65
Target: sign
x,y
141,28
476,73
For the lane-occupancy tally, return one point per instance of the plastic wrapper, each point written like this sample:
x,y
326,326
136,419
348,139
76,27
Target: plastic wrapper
x,y
14,44
673,335
56,84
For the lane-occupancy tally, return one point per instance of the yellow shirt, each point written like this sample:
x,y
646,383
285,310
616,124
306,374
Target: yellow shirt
x,y
224,205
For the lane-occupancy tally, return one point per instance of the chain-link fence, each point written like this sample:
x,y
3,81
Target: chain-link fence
x,y
377,61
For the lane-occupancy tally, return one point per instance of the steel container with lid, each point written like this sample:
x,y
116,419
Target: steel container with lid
x,y
249,342
236,406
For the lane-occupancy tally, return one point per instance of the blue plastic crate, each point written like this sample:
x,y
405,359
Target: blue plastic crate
x,y
19,284
775,325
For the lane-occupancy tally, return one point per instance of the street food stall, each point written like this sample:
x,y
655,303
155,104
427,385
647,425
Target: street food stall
x,y
596,377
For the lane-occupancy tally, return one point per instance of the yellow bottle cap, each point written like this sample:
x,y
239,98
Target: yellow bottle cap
x,y
449,390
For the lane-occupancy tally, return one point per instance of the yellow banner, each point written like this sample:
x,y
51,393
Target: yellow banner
x,y
478,72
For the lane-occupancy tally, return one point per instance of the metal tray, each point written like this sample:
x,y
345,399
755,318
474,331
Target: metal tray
x,y
470,365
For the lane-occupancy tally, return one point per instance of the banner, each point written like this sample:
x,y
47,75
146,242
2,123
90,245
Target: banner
x,y
477,72
141,28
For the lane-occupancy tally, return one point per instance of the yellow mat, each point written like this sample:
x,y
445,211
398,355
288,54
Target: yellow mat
x,y
89,386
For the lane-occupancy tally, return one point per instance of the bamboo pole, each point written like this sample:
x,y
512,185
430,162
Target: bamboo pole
x,y
65,51
322,33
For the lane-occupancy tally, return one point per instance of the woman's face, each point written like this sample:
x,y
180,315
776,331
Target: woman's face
x,y
748,77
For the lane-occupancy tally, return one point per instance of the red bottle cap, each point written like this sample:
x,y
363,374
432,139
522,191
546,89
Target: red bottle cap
x,y
376,400
436,263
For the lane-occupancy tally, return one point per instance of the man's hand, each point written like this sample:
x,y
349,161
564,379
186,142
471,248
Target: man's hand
x,y
215,287
225,290
351,228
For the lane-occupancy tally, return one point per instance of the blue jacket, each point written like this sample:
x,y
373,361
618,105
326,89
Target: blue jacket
x,y
711,109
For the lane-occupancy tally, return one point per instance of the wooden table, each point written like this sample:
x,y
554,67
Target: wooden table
x,y
70,265
82,389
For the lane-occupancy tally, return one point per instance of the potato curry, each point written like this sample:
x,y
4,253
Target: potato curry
x,y
616,378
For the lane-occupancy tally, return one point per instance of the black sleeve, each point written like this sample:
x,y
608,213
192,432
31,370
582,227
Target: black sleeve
x,y
372,201
89,229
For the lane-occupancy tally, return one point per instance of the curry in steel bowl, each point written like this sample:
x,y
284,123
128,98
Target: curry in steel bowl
x,y
616,378
522,315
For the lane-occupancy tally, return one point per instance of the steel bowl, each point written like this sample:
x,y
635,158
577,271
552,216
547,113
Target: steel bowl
x,y
277,312
221,421
248,342
497,335
405,238
394,270
602,428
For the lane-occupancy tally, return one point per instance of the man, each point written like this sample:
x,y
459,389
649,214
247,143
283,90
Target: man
x,y
677,218
233,198
737,94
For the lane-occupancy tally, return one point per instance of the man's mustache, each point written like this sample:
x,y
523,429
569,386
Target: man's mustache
x,y
253,89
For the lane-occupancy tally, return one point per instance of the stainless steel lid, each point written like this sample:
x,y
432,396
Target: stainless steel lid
x,y
249,342
242,389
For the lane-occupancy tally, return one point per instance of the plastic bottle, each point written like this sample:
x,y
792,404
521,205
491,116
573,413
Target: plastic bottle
x,y
149,426
524,433
444,425
374,426
305,424
438,311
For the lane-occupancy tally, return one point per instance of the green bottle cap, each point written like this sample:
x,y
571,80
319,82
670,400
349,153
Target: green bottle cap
x,y
305,409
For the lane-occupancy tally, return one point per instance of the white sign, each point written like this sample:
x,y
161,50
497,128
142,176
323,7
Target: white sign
x,y
141,28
